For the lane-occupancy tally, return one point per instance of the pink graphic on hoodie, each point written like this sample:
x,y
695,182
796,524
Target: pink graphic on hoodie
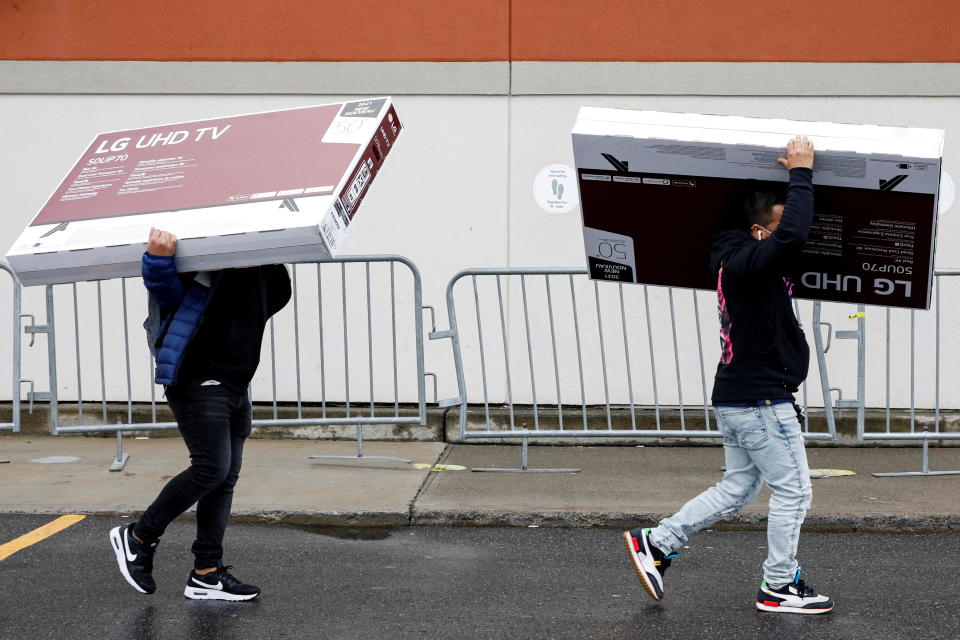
x,y
788,285
726,343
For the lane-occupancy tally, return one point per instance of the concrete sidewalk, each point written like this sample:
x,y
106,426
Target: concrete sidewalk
x,y
278,483
617,487
627,486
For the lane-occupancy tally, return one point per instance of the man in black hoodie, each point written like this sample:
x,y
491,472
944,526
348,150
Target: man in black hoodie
x,y
207,343
763,361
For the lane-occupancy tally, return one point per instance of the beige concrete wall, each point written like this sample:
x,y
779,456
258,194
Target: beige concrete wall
x,y
441,202
457,194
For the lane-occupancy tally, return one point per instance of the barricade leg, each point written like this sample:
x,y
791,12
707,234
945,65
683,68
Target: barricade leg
x,y
15,359
525,466
360,455
926,436
418,308
925,465
120,461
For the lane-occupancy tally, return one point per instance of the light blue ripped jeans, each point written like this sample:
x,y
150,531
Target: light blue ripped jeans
x,y
761,444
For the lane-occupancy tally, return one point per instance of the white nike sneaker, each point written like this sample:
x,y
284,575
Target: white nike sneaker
x,y
793,597
218,585
134,559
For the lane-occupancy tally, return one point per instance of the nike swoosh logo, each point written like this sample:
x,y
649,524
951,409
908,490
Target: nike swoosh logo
x,y
219,584
126,547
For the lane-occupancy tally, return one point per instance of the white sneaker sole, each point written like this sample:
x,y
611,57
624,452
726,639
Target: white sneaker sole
x,y
194,593
117,543
638,567
782,609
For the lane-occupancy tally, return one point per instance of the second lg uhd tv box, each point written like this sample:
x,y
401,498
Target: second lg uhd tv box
x,y
655,188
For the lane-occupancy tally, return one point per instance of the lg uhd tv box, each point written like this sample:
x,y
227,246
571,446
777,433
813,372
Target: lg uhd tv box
x,y
656,187
278,186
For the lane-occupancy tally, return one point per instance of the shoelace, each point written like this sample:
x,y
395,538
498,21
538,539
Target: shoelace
x,y
665,562
803,590
223,574
146,550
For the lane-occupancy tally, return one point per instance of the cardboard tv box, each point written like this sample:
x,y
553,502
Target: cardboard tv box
x,y
260,188
656,187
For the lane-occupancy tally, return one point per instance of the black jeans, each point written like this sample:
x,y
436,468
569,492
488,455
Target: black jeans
x,y
214,421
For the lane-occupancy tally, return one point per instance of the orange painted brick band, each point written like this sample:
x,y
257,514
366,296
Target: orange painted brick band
x,y
737,30
482,30
275,30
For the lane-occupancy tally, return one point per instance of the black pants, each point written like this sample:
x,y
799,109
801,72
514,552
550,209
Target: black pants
x,y
214,421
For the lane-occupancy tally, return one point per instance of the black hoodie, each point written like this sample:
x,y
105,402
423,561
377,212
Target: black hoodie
x,y
764,351
226,346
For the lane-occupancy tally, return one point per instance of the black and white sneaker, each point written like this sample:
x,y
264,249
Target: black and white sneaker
x,y
794,597
649,562
135,559
218,585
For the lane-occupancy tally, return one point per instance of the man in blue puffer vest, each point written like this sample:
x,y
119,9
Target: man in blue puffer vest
x,y
205,330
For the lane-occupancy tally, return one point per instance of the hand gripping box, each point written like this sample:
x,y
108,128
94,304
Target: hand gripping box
x,y
656,187
278,186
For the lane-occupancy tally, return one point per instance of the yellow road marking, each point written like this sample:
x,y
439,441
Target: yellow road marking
x,y
35,536
830,473
439,467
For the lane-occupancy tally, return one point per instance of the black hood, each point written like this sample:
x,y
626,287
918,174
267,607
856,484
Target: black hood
x,y
724,243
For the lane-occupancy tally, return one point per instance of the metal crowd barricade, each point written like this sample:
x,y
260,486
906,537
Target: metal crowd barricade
x,y
910,377
580,341
15,349
332,365
823,342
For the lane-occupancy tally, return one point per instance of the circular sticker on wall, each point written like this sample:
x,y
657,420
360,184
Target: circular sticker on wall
x,y
948,192
555,188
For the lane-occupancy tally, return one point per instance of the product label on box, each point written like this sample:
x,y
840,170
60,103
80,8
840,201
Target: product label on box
x,y
333,227
385,133
610,256
356,122
351,197
363,108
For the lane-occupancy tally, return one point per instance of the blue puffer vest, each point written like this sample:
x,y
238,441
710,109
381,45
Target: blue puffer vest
x,y
177,305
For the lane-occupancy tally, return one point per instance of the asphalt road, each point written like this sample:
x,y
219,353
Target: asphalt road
x,y
437,582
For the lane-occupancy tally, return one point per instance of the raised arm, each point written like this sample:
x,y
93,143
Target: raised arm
x,y
788,238
159,269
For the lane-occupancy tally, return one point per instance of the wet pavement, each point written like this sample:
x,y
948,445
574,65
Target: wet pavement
x,y
440,582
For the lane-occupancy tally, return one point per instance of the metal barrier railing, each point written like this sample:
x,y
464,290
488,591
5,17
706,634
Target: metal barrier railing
x,y
15,352
313,284
900,386
587,349
594,359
